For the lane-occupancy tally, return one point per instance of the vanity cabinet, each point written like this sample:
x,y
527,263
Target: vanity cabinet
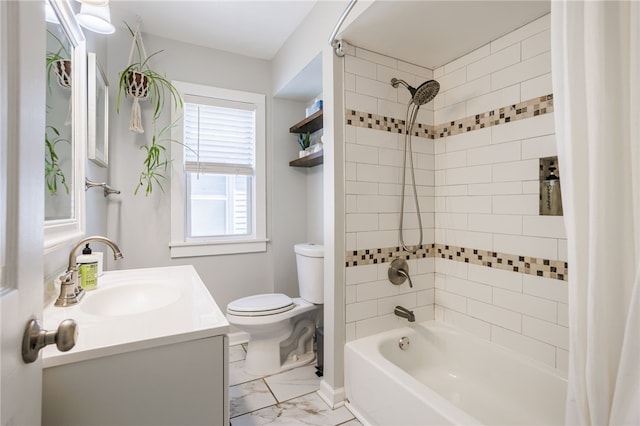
x,y
152,349
310,124
184,383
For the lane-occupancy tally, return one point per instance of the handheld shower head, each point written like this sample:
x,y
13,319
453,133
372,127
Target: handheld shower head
x,y
423,94
420,96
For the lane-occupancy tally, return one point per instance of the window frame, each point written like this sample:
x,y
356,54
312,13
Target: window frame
x,y
211,246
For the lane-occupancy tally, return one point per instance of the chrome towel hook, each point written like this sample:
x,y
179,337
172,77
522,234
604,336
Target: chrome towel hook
x,y
107,189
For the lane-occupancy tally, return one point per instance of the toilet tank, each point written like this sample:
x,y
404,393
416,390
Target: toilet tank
x,y
310,262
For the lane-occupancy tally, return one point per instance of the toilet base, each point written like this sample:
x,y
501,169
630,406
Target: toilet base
x,y
298,361
270,356
280,341
259,368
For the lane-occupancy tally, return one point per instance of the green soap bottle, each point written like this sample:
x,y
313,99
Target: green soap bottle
x,y
88,269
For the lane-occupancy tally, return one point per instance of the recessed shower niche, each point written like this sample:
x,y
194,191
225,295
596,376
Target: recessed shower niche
x,y
550,193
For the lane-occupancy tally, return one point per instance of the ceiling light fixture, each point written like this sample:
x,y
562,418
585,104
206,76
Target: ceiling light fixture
x,y
95,18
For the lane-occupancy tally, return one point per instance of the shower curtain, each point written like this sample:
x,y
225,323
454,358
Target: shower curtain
x,y
596,84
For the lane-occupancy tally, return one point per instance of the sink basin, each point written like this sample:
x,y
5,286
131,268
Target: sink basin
x,y
129,298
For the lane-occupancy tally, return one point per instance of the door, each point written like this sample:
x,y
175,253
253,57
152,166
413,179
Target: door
x,y
22,100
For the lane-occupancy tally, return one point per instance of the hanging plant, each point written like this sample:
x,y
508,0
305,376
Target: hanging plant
x,y
139,82
52,170
60,64
155,162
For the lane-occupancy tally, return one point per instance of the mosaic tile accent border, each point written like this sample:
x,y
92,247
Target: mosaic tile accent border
x,y
527,109
384,255
554,269
387,124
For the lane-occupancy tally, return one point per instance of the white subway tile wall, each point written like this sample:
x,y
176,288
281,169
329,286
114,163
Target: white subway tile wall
x,y
373,185
479,191
524,312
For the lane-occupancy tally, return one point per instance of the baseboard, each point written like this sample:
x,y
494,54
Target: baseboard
x,y
237,338
358,414
334,398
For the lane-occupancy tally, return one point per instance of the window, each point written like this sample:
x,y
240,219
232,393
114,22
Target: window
x,y
218,197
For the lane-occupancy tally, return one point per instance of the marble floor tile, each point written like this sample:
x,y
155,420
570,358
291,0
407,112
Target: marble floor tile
x,y
306,410
294,383
237,374
249,397
236,353
354,422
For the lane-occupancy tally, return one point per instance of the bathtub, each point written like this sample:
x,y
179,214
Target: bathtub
x,y
448,377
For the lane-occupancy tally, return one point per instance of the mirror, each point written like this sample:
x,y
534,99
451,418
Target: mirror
x,y
65,134
58,167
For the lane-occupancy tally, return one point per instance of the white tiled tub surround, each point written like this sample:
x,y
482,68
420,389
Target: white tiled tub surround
x,y
486,198
479,189
373,172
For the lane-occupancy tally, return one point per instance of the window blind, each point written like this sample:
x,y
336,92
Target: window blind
x,y
219,139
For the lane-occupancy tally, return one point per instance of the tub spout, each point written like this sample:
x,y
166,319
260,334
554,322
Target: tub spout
x,y
403,312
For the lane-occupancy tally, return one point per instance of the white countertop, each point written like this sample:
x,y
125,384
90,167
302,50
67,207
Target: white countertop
x,y
187,312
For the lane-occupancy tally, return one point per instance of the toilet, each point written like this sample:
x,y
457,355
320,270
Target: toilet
x,y
281,328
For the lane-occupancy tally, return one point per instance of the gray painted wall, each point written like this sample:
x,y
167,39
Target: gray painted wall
x,y
141,225
96,202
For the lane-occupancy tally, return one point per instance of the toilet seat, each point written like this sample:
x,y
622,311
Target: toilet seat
x,y
261,305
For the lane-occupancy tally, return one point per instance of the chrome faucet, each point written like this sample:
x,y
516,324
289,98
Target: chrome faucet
x,y
71,291
403,312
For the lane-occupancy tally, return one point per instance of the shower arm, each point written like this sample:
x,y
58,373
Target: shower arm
x,y
396,81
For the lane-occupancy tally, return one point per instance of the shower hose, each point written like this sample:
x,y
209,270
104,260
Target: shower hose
x,y
412,113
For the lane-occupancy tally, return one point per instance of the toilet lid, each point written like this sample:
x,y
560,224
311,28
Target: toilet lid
x,y
261,304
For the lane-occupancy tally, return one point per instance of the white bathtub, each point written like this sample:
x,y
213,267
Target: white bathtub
x,y
447,376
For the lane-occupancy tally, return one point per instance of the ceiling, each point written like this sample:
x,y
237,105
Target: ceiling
x,y
434,33
254,28
429,33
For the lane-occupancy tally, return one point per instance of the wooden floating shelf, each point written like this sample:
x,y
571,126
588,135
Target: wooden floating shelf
x,y
308,161
310,124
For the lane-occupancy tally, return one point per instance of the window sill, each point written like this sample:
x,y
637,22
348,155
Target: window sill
x,y
217,248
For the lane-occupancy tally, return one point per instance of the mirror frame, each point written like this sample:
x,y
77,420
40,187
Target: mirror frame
x,y
97,152
58,233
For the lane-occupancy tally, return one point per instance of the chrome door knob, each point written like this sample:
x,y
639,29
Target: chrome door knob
x,y
35,338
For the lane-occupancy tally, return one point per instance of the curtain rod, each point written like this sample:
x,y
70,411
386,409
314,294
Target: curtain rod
x,y
333,41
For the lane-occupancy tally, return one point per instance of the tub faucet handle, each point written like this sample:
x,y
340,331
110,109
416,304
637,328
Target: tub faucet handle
x,y
403,273
399,272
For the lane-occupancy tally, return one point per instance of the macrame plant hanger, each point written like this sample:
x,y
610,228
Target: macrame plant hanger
x,y
62,69
137,82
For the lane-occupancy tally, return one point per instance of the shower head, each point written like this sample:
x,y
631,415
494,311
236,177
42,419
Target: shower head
x,y
423,94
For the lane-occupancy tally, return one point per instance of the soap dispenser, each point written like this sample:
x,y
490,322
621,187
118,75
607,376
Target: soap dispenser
x,y
88,269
